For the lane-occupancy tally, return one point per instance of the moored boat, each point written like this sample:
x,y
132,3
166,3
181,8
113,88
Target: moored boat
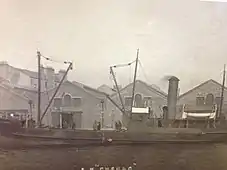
x,y
135,120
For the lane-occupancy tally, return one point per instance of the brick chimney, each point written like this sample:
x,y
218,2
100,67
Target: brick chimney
x,y
172,97
49,72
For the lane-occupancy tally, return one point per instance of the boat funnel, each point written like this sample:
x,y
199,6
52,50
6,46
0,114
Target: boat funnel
x,y
172,97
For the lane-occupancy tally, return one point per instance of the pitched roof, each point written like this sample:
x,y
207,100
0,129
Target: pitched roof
x,y
106,89
34,74
157,88
11,90
89,89
93,90
145,84
104,85
30,89
29,73
85,88
200,85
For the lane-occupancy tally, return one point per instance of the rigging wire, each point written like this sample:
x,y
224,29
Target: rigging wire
x,y
130,74
124,65
143,71
53,60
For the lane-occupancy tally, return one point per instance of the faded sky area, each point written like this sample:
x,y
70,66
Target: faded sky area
x,y
185,38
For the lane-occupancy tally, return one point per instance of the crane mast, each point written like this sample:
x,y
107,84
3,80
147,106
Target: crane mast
x,y
134,81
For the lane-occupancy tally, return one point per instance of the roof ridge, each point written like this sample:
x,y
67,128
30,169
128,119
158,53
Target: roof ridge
x,y
93,89
199,85
74,84
87,87
150,86
107,86
164,94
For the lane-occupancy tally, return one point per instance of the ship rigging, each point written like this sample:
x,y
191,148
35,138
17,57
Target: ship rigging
x,y
39,116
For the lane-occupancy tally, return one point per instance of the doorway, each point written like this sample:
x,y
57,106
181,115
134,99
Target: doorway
x,y
67,121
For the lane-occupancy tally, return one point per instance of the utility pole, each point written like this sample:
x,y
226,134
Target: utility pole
x,y
222,95
39,89
134,82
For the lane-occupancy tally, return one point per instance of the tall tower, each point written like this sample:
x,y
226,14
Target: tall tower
x,y
172,97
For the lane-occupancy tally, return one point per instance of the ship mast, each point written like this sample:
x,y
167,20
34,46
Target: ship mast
x,y
56,91
115,82
134,82
39,89
39,117
117,87
222,94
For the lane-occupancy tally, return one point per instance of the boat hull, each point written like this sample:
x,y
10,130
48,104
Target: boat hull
x,y
19,137
92,138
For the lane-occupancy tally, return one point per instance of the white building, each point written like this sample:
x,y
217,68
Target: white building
x,y
29,79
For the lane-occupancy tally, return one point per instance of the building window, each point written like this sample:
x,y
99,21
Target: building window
x,y
138,101
209,99
77,102
147,101
200,100
57,102
67,100
128,101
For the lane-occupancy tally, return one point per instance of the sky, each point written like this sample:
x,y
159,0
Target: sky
x,y
184,38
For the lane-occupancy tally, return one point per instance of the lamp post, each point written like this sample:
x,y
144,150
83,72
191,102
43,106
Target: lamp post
x,y
29,113
112,118
102,113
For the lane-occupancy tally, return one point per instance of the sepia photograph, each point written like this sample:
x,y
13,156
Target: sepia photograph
x,y
113,85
